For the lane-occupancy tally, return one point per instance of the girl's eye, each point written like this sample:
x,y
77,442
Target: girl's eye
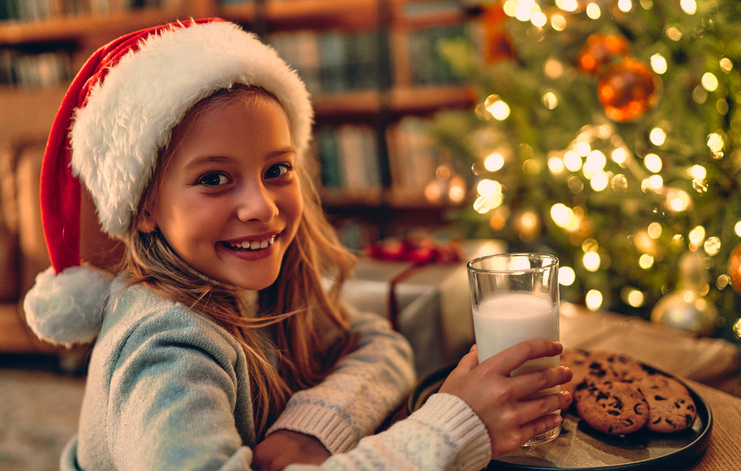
x,y
213,179
278,170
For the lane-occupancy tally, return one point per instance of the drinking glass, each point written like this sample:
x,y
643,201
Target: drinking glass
x,y
515,297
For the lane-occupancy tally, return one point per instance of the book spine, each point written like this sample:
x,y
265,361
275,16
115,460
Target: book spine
x,y
329,159
333,62
46,69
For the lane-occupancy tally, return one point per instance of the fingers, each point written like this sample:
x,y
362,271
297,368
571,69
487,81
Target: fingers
x,y
456,382
527,384
514,356
532,409
469,360
544,418
541,425
541,417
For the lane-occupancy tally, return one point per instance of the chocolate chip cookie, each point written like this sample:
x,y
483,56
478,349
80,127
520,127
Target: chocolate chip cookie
x,y
614,366
578,362
613,407
671,407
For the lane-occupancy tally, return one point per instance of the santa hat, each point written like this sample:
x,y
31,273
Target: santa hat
x,y
117,114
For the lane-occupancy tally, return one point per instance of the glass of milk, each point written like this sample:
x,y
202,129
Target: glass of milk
x,y
515,297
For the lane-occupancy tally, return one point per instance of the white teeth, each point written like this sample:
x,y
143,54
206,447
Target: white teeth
x,y
255,245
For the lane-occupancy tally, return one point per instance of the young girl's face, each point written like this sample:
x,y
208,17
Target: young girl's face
x,y
230,201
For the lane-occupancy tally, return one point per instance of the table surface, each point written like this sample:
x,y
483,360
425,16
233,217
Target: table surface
x,y
723,452
711,361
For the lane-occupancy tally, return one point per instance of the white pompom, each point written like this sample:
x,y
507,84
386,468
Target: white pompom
x,y
67,308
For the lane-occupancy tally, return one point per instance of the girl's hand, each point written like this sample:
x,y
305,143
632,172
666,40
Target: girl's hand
x,y
498,400
284,447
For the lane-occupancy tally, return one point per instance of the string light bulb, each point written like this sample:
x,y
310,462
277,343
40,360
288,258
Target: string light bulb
x,y
566,276
593,299
658,64
498,109
688,6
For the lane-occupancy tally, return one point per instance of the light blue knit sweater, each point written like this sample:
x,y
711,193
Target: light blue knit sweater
x,y
168,390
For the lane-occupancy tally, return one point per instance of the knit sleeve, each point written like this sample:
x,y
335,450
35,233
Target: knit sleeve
x,y
445,433
366,386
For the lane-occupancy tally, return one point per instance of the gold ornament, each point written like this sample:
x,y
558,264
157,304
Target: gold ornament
x,y
686,308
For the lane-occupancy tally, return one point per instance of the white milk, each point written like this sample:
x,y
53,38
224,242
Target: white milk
x,y
504,320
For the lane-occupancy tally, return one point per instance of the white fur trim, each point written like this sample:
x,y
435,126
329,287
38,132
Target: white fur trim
x,y
66,308
116,136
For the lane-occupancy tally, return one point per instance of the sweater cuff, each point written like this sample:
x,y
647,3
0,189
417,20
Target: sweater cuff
x,y
451,413
319,422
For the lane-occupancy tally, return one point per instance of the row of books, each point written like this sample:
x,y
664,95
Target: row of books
x,y
350,163
413,159
45,69
336,61
351,172
36,10
329,62
349,159
428,67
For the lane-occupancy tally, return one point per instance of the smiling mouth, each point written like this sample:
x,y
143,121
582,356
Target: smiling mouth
x,y
252,245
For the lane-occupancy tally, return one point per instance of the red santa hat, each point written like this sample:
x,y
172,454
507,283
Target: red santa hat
x,y
117,114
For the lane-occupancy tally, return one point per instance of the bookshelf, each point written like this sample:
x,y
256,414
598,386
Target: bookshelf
x,y
366,76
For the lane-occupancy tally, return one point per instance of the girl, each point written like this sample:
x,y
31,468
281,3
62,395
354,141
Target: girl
x,y
221,343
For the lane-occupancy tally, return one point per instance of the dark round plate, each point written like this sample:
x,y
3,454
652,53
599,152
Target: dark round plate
x,y
579,447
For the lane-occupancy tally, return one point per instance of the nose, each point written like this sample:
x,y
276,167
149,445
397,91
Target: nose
x,y
256,203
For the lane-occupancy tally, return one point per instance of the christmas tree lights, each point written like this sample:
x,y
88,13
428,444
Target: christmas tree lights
x,y
608,133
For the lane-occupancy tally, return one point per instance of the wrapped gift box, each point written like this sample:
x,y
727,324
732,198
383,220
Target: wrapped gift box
x,y
428,304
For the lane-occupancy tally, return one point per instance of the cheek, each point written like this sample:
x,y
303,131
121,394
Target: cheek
x,y
291,206
181,219
295,206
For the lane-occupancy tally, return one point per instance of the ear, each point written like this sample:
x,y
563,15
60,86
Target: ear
x,y
145,222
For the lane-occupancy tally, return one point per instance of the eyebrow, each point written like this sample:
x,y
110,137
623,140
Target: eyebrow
x,y
207,159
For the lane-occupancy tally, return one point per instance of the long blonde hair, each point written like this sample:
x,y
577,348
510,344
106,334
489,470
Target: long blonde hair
x,y
309,326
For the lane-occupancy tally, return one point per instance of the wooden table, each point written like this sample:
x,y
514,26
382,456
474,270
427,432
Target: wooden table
x,y
724,451
713,362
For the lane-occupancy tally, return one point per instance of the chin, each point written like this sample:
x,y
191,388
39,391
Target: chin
x,y
257,284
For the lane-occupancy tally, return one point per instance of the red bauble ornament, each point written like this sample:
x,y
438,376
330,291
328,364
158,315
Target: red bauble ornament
x,y
734,268
599,50
627,89
497,42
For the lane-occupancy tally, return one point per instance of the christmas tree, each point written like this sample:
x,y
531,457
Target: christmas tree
x,y
608,133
